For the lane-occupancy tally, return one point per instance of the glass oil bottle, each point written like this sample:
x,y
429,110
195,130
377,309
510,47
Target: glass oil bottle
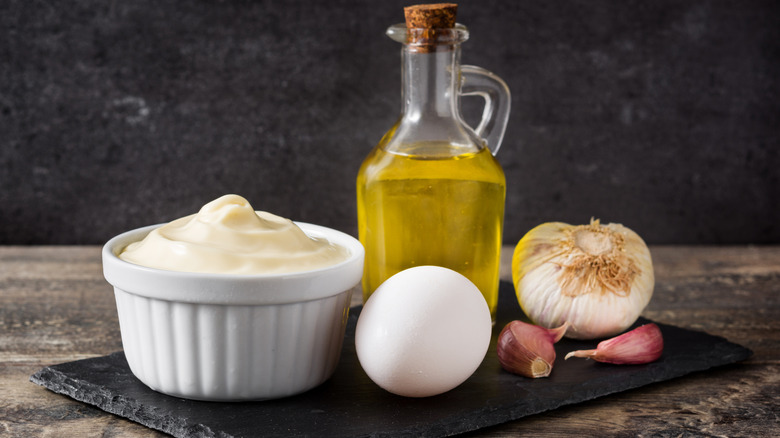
x,y
431,192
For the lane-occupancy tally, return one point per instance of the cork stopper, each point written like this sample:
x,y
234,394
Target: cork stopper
x,y
433,16
425,23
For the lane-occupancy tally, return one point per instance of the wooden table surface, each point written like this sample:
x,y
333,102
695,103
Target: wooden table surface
x,y
56,307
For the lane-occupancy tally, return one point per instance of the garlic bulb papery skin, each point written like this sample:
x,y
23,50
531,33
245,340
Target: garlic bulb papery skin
x,y
598,278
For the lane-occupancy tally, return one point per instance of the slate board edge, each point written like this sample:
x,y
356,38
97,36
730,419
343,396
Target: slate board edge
x,y
60,383
500,414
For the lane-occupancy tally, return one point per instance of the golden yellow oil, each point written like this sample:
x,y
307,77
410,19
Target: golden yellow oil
x,y
432,209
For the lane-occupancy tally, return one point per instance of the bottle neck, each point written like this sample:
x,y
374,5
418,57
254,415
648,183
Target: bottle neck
x,y
429,84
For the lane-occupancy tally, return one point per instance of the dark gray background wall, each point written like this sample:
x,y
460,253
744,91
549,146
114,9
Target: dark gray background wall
x,y
661,115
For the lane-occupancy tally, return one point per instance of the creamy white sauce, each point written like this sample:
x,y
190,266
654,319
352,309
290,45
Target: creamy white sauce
x,y
227,236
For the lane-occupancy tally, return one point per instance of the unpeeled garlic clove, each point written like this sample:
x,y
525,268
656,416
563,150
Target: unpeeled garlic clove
x,y
642,345
527,349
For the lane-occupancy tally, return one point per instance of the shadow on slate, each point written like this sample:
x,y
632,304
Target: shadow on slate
x,y
349,404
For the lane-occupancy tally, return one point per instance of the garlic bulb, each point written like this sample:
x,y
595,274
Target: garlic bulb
x,y
598,278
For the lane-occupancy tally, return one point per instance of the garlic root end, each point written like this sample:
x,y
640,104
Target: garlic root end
x,y
540,368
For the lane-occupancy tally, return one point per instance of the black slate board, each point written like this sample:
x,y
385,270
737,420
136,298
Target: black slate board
x,y
349,404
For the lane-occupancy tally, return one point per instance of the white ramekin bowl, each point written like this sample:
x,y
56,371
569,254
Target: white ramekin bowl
x,y
225,337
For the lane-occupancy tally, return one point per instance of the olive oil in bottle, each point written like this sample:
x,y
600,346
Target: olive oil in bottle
x,y
431,192
445,211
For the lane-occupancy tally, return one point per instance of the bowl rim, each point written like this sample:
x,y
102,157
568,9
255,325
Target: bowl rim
x,y
210,288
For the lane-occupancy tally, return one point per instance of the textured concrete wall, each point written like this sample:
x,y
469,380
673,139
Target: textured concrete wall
x,y
661,115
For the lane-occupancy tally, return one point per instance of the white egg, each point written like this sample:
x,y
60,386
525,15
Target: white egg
x,y
423,332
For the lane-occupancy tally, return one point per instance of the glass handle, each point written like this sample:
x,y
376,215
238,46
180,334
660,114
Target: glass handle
x,y
476,81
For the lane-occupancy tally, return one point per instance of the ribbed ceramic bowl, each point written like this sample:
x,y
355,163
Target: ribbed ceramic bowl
x,y
232,337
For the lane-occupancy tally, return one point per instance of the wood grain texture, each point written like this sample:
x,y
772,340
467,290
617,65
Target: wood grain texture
x,y
56,307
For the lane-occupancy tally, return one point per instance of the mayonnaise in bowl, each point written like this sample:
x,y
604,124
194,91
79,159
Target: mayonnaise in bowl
x,y
227,236
232,304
